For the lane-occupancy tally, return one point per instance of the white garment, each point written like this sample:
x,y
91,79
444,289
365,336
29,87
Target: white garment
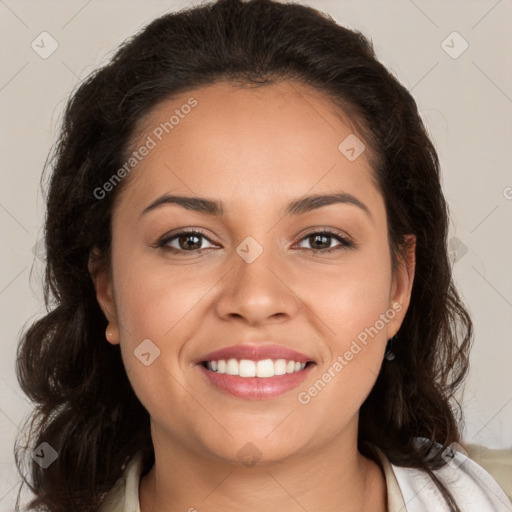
x,y
409,490
472,487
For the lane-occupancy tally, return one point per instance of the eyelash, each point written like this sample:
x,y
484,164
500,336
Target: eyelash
x,y
345,242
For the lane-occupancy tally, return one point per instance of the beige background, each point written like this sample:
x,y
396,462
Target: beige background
x,y
466,103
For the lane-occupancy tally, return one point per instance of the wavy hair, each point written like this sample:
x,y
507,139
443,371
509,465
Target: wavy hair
x,y
84,405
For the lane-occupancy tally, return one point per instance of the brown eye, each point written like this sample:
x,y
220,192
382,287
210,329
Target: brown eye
x,y
320,241
185,241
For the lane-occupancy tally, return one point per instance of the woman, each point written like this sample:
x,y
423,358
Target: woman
x,y
245,203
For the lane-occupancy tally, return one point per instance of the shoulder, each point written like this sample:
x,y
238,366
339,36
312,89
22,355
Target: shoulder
x,y
472,487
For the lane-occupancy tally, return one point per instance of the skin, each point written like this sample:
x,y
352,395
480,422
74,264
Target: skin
x,y
256,150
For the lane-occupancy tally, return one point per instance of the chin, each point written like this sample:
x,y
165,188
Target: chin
x,y
253,451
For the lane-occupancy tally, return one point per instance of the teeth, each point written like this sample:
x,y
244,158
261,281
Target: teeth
x,y
232,367
248,368
265,368
280,367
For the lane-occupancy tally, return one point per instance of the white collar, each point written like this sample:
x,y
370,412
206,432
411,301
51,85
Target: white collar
x,y
473,488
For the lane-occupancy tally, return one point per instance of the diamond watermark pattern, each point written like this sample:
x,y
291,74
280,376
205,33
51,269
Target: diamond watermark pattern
x,y
249,454
455,455
456,249
44,455
454,45
351,147
146,352
44,45
249,249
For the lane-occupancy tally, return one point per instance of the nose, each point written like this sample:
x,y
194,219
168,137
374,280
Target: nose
x,y
258,290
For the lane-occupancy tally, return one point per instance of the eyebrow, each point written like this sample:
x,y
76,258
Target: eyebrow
x,y
296,207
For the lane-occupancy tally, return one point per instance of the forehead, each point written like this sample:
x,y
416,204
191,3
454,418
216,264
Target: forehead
x,y
280,137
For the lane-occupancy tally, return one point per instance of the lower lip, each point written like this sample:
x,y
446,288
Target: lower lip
x,y
256,388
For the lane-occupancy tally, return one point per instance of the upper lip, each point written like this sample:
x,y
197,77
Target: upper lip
x,y
256,353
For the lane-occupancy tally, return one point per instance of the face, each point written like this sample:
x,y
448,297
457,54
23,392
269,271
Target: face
x,y
273,276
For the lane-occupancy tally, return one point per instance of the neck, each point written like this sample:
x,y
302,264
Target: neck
x,y
334,478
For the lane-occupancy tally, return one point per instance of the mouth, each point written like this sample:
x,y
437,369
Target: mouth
x,y
255,372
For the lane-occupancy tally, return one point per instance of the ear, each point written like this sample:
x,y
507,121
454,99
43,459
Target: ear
x,y
102,280
401,288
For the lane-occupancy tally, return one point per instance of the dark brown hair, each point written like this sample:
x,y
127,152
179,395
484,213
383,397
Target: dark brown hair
x,y
85,407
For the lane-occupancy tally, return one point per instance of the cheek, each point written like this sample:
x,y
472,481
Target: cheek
x,y
156,318
153,300
351,297
354,310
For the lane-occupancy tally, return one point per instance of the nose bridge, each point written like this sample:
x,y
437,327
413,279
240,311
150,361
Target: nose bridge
x,y
258,227
256,291
256,263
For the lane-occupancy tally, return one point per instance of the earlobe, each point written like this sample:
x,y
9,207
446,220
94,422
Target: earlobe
x,y
112,333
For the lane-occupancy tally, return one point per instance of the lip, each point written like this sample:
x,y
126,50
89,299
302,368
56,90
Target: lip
x,y
256,353
255,388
